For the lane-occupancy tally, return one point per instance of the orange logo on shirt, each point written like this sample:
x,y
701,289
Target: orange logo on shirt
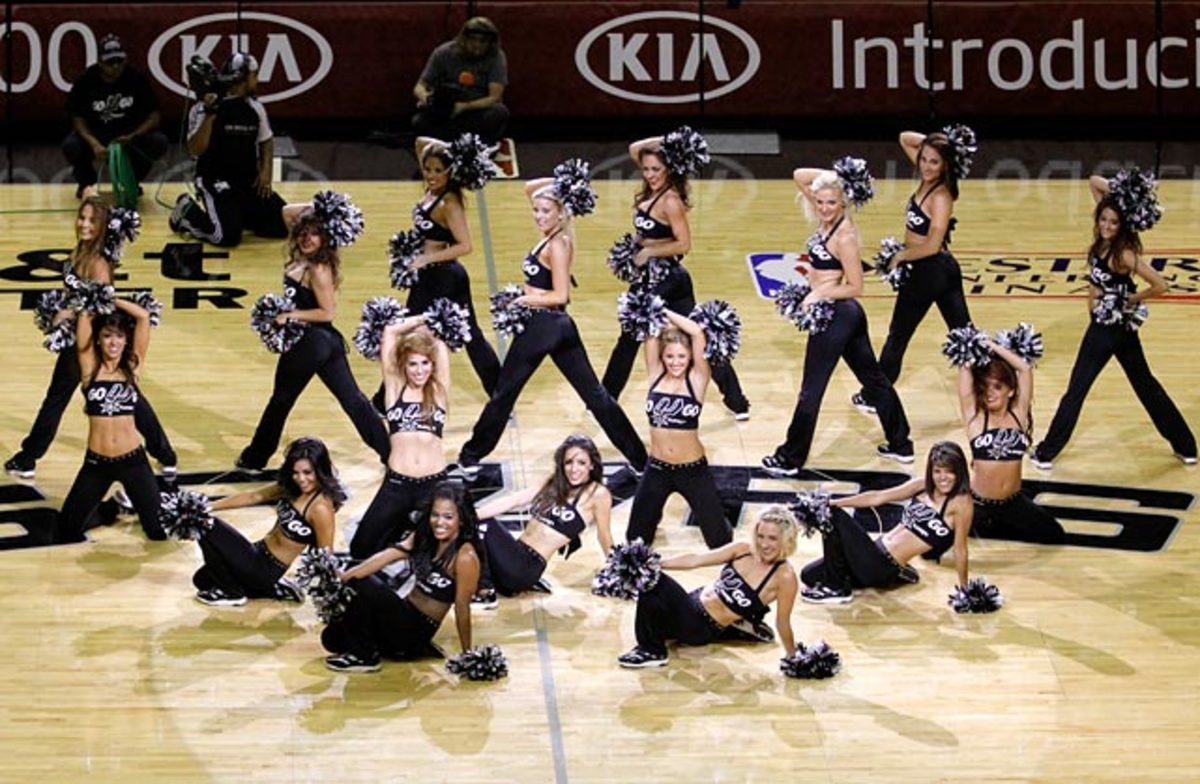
x,y
466,79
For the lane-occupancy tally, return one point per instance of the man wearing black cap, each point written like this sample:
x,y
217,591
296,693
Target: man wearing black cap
x,y
462,85
112,102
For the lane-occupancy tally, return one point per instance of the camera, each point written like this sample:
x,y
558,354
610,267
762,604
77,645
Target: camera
x,y
203,78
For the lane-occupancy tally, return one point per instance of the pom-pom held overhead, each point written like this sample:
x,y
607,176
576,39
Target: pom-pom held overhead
x,y
963,142
377,313
631,568
149,303
811,508
882,263
93,296
471,164
685,152
403,249
573,184
278,338
123,226
342,220
449,322
1024,341
815,662
857,182
979,596
480,664
509,318
1136,195
641,314
318,576
967,347
185,515
722,330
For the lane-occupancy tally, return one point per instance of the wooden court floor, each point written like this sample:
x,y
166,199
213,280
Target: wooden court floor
x,y
1089,673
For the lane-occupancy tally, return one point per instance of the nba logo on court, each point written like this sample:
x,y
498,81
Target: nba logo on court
x,y
771,271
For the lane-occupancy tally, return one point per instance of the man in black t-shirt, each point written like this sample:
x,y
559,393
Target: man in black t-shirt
x,y
112,102
462,86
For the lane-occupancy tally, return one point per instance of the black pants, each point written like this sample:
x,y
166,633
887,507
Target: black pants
x,y
321,352
449,279
96,475
220,214
512,566
550,333
378,622
845,338
235,566
488,122
668,612
389,517
1100,344
852,558
678,294
143,152
694,481
63,383
1016,518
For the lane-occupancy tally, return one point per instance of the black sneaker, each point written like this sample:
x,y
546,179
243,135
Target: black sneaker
x,y
541,586
748,631
1188,460
20,466
640,657
900,454
177,221
485,599
827,594
777,466
462,472
288,591
215,597
1039,462
909,575
243,464
861,404
349,662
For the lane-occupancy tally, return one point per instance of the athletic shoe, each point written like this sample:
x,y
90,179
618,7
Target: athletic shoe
x,y
752,632
637,472
861,404
215,597
349,662
485,599
243,464
122,500
640,657
1040,463
741,416
1185,459
288,591
464,473
909,575
170,478
776,466
177,222
20,466
826,594
541,586
900,455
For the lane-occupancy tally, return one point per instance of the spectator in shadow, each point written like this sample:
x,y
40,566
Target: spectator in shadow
x,y
462,85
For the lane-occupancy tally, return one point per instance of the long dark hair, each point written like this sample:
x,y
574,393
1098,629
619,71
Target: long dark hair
x,y
425,544
941,143
314,451
327,254
118,320
677,181
948,454
452,186
85,250
1126,239
557,490
1003,372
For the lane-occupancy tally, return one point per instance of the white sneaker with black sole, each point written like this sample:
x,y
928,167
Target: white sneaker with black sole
x,y
861,404
349,662
215,597
888,453
775,466
826,594
1186,459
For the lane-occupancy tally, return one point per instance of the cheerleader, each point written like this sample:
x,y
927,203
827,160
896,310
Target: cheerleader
x,y
753,576
306,496
550,331
679,373
311,277
835,275
661,230
1117,310
399,621
937,517
561,509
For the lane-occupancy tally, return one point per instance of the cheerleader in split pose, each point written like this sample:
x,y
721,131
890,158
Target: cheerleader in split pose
x,y
88,262
942,159
570,500
679,375
441,217
660,223
753,576
311,277
1114,258
996,402
306,496
836,274
416,382
936,518
550,332
382,620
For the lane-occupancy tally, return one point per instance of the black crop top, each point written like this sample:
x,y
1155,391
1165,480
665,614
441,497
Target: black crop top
x,y
1003,444
301,296
538,275
670,411
427,226
1101,275
438,584
929,525
736,594
109,398
294,525
649,227
918,222
819,254
411,417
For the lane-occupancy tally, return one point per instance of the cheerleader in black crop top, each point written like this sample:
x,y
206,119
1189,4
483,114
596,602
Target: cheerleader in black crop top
x,y
311,278
836,274
753,576
937,518
679,375
1114,258
306,496
550,332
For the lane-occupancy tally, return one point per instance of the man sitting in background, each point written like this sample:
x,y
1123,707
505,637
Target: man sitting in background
x,y
462,85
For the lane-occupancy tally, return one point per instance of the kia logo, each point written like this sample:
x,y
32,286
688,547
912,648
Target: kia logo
x,y
665,49
287,44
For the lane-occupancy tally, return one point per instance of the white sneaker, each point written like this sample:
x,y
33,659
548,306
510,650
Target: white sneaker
x,y
1185,459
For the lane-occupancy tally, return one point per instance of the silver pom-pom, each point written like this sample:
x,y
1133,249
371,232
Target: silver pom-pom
x,y
471,164
317,576
92,296
278,338
816,316
967,347
1109,308
963,142
1136,195
789,300
722,330
62,337
573,184
342,220
403,249
124,224
1135,316
185,515
509,318
641,314
979,596
480,664
857,182
620,260
449,322
811,508
882,260
1024,341
631,568
377,313
48,306
685,152
148,302
815,662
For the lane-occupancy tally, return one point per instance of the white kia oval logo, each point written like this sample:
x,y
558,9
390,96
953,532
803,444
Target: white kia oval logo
x,y
634,49
278,58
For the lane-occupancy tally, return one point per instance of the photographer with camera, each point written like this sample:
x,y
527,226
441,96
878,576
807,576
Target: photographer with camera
x,y
462,85
230,138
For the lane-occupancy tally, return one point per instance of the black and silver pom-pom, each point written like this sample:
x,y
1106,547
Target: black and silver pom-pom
x,y
509,318
685,152
61,337
965,145
816,662
1136,316
48,306
857,182
620,260
343,221
641,314
979,596
377,313
148,302
449,322
882,260
1136,195
1109,308
631,568
403,249
722,330
185,515
278,338
480,664
1024,341
816,316
789,300
471,164
92,296
811,508
573,184
317,576
967,347
124,224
